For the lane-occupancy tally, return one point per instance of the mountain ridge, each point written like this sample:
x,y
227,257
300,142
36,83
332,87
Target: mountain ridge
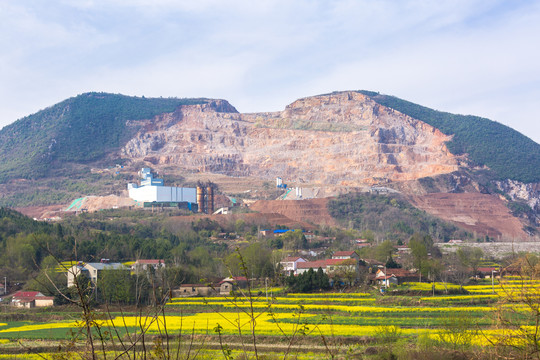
x,y
332,144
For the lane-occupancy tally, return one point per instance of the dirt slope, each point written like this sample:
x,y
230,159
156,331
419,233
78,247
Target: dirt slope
x,y
480,213
177,223
312,211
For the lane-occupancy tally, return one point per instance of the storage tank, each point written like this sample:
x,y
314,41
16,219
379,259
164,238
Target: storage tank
x,y
210,194
200,199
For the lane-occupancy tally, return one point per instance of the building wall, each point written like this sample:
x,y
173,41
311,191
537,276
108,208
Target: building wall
x,y
163,194
176,194
44,302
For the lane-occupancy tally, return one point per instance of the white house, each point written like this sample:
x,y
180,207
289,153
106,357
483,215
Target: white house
x,y
92,270
290,264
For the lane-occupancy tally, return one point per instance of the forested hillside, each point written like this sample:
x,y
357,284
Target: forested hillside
x,y
79,129
510,154
389,217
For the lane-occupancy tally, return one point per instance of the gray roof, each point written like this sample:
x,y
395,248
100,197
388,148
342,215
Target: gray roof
x,y
107,266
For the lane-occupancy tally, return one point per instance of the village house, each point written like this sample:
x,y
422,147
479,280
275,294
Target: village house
x,y
232,283
31,299
345,255
290,264
194,290
385,277
142,265
487,272
92,270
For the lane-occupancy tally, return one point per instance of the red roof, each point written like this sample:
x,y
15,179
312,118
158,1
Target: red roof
x,y
150,261
344,253
234,279
26,294
396,272
312,264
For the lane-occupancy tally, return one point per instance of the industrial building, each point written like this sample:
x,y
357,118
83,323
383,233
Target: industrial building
x,y
152,192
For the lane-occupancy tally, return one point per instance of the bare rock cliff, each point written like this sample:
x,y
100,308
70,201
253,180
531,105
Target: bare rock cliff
x,y
338,139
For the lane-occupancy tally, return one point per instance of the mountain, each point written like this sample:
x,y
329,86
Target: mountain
x,y
342,139
508,153
327,144
85,128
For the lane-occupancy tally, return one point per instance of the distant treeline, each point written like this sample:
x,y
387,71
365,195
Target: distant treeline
x,y
389,217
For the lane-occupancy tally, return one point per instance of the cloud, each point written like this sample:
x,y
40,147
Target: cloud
x,y
458,56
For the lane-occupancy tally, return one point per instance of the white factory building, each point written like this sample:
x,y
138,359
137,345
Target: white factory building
x,y
152,190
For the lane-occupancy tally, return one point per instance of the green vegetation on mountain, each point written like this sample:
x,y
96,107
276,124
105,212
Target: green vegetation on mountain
x,y
389,217
80,129
508,153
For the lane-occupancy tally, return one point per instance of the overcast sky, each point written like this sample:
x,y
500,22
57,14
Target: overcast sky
x,y
468,57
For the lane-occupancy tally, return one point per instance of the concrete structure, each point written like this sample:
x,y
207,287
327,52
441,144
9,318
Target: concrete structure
x,y
153,190
31,299
92,270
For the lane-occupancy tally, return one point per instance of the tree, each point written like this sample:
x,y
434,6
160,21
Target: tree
x,y
470,257
384,250
419,250
257,260
116,286
294,240
309,281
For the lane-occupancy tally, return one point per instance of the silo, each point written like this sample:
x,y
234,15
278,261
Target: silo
x,y
200,199
210,194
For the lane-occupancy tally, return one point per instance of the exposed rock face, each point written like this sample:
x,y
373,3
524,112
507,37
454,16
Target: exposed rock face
x,y
520,191
338,139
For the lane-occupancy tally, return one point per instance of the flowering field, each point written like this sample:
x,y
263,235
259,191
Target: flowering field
x,y
343,315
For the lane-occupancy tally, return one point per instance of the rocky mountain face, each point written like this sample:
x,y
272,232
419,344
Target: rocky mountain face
x,y
338,139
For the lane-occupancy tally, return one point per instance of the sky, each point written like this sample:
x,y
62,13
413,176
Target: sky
x,y
479,57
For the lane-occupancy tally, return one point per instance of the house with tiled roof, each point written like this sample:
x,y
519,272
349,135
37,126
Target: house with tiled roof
x,y
394,276
345,255
31,299
195,290
232,283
